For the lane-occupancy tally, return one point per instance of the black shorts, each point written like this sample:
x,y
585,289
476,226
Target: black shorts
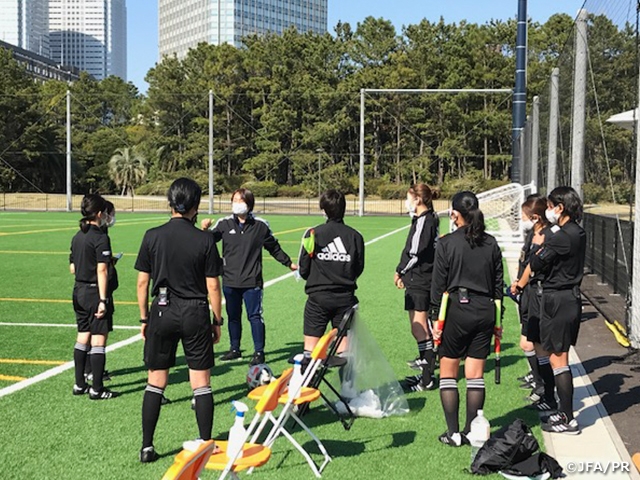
x,y
560,314
188,321
532,331
418,300
322,308
86,298
468,328
523,309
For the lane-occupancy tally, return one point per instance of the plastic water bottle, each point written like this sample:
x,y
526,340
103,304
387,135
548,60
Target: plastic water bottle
x,y
479,433
295,383
237,433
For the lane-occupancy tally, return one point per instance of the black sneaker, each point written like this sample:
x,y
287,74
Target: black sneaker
x,y
562,425
528,378
415,383
231,355
543,406
148,455
454,440
80,390
106,376
258,358
551,417
104,394
414,363
536,394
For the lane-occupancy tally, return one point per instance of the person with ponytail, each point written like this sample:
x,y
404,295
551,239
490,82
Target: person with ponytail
x,y
90,258
468,266
560,262
184,265
536,227
413,274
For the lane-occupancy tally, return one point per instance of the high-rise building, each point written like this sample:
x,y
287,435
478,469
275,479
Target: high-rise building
x,y
90,35
24,24
182,24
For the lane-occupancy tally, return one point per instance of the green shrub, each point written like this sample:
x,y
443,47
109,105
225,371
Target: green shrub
x,y
393,192
292,191
262,189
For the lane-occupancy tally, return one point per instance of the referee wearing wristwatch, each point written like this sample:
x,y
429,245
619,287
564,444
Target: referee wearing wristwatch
x,y
184,265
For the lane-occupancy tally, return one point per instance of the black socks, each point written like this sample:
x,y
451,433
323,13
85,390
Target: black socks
x,y
151,404
204,411
80,352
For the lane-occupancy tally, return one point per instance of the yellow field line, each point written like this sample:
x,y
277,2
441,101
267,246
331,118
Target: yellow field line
x,y
27,232
54,300
291,231
11,378
24,361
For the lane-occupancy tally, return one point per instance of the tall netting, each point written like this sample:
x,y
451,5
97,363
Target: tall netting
x,y
587,97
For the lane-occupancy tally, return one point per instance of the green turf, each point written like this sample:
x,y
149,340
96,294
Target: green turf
x,y
48,433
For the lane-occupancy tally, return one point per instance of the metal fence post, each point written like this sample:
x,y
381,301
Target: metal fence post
x,y
615,260
603,256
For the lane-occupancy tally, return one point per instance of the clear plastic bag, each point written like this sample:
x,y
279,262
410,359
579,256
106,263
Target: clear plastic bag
x,y
369,383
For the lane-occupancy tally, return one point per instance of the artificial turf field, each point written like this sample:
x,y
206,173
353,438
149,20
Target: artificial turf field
x,y
48,433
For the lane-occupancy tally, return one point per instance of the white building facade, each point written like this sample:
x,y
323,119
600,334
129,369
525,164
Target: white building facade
x,y
182,24
90,35
24,24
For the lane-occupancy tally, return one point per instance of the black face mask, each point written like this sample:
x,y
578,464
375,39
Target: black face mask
x,y
194,219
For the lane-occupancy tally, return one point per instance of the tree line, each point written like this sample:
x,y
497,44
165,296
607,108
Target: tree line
x,y
286,112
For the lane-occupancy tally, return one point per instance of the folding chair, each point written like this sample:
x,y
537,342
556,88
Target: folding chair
x,y
307,395
253,454
188,464
334,361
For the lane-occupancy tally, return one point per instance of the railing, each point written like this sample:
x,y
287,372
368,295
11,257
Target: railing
x,y
263,206
609,250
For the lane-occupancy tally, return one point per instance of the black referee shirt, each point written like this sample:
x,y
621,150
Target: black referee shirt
x,y
87,250
180,257
458,265
523,261
561,258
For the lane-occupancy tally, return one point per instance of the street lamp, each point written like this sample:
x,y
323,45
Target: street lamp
x,y
319,151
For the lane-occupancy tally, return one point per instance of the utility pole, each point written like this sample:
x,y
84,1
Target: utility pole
x,y
535,139
579,103
69,193
553,130
520,92
361,183
210,152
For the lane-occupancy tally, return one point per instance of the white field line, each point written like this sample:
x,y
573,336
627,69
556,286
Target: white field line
x,y
69,325
69,365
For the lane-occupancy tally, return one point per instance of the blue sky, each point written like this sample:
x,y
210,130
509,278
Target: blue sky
x,y
142,20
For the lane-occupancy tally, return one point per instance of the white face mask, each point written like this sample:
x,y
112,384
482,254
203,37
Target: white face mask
x,y
552,216
527,225
239,208
110,221
411,208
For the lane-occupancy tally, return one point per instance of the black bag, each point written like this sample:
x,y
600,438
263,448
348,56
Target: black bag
x,y
509,445
536,465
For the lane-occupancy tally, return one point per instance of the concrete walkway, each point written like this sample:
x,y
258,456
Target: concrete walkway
x,y
599,440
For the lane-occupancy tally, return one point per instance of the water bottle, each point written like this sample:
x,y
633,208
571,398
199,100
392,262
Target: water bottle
x,y
479,433
237,433
295,383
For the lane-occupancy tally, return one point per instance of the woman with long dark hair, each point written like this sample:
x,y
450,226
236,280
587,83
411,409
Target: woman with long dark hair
x,y
413,274
560,260
468,266
90,257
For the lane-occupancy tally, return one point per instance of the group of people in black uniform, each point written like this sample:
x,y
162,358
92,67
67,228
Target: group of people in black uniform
x,y
181,265
464,269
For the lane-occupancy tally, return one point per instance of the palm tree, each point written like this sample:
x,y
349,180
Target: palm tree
x,y
128,168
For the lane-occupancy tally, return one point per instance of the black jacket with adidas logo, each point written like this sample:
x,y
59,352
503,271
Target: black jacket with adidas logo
x,y
335,260
242,250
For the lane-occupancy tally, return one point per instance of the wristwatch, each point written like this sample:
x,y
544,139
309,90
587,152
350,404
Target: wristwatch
x,y
104,300
144,320
218,323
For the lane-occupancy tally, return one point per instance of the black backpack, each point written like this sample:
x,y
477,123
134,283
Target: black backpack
x,y
509,445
